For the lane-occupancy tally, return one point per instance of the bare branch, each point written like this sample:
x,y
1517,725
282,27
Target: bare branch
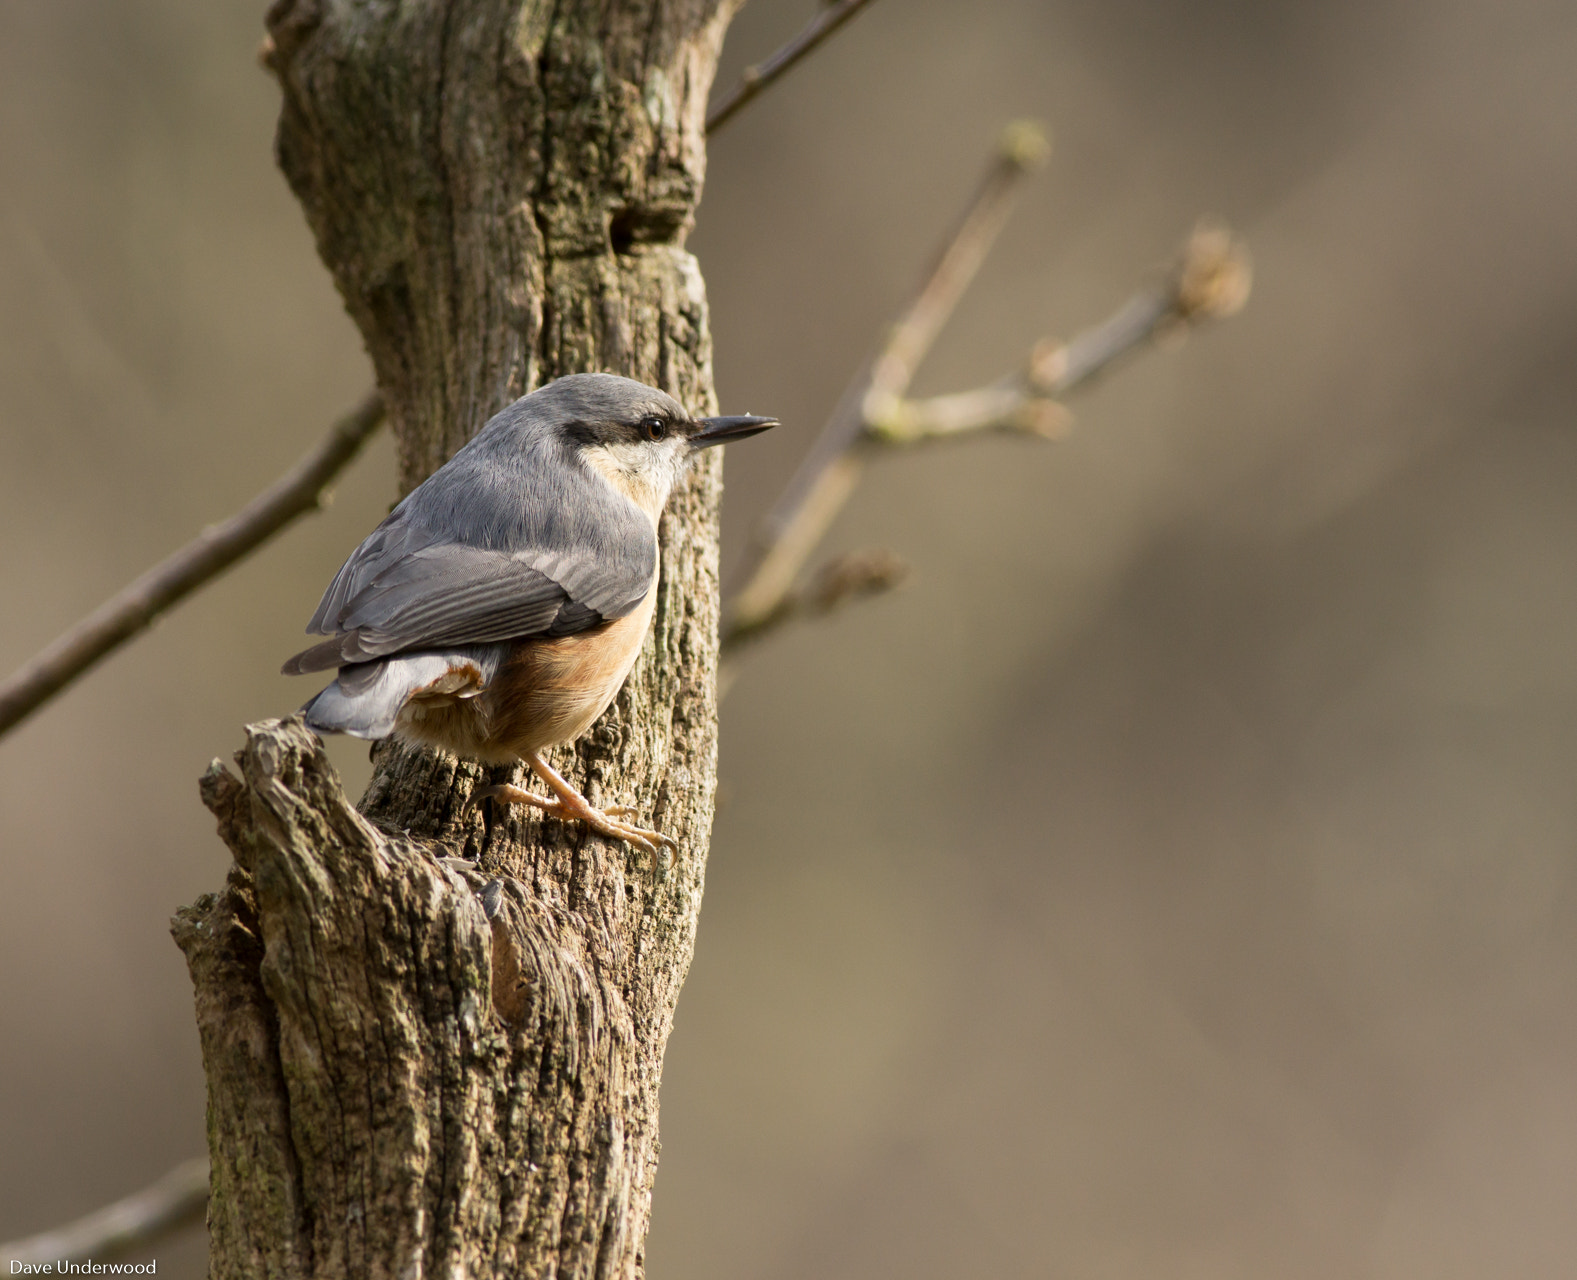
x,y
842,580
1210,282
116,621
1010,406
758,77
176,1200
829,473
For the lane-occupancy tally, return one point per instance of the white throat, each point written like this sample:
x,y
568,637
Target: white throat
x,y
645,474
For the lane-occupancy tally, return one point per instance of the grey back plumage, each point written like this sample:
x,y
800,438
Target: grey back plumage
x,y
515,536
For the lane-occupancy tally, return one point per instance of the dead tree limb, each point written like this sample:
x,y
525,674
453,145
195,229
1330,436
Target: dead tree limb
x,y
415,1069
180,1196
133,609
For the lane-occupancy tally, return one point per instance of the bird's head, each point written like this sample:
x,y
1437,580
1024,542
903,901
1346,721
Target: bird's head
x,y
638,438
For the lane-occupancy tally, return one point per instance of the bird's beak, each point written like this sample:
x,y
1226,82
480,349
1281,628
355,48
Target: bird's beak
x,y
722,430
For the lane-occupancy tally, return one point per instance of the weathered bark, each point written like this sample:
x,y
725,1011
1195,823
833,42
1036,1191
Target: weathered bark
x,y
418,1066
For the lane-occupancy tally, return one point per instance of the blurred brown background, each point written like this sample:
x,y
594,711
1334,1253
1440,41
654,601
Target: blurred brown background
x,y
1176,880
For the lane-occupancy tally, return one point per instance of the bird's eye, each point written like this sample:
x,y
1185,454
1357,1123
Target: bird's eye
x,y
654,428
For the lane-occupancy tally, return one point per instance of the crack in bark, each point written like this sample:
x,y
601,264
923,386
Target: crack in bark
x,y
539,201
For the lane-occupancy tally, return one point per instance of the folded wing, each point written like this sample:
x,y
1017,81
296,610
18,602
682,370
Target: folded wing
x,y
494,575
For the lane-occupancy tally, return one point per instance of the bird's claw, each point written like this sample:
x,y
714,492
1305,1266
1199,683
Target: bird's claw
x,y
651,843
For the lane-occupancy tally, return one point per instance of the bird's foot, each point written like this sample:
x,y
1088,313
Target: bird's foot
x,y
570,805
607,822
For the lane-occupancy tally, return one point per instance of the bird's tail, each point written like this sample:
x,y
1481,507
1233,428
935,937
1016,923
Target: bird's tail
x,y
366,698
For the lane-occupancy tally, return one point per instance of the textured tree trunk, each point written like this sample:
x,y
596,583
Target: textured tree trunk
x,y
419,1066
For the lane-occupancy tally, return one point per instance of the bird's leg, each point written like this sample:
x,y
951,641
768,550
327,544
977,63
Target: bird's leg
x,y
570,804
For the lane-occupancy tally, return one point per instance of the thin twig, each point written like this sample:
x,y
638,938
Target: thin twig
x,y
1211,282
825,479
755,79
176,1200
843,579
1008,406
218,547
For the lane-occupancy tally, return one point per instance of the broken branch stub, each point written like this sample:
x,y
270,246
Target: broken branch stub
x,y
416,1061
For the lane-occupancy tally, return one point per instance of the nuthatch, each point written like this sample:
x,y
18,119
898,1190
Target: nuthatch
x,y
498,609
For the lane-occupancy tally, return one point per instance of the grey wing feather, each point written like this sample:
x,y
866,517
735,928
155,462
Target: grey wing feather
x,y
512,538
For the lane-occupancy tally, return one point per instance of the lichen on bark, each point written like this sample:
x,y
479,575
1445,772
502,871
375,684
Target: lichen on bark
x,y
419,1064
